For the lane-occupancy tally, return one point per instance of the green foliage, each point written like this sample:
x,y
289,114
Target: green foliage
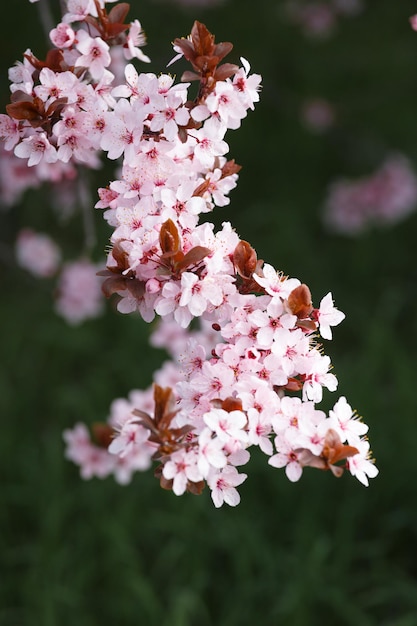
x,y
322,551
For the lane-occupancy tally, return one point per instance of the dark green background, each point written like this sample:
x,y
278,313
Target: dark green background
x,y
319,552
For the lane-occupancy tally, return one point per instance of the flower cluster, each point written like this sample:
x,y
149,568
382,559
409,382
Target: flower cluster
x,y
254,370
205,412
58,109
384,198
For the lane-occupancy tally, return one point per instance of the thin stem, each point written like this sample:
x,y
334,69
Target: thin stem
x,y
45,17
7,254
86,203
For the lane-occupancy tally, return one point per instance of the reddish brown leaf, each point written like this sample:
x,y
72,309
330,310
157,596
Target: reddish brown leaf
x,y
164,482
293,384
231,404
118,13
206,64
164,406
121,257
135,287
245,259
222,49
307,324
195,488
225,71
102,434
114,30
334,450
20,96
112,285
192,258
24,111
169,239
230,167
188,76
186,47
307,459
55,60
204,55
147,422
203,40
299,302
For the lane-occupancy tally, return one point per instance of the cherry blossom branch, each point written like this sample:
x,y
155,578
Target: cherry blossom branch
x,y
255,370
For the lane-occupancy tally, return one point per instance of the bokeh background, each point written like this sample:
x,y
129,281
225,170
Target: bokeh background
x,y
319,552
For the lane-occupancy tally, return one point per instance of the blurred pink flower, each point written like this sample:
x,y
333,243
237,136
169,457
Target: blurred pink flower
x,y
79,295
319,19
318,115
385,197
37,253
316,19
15,178
413,22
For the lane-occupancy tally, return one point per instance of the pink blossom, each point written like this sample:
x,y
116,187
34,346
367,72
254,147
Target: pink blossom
x,y
272,322
182,468
123,131
21,75
134,41
35,148
63,36
181,205
291,347
227,425
223,486
361,465
78,10
95,54
54,85
315,368
328,316
9,131
224,101
260,429
246,85
343,419
286,457
210,142
211,452
275,283
172,116
131,437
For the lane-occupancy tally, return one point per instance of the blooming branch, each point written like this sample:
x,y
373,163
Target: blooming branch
x,y
255,370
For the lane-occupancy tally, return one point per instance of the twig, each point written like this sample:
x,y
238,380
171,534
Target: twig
x,y
86,203
45,17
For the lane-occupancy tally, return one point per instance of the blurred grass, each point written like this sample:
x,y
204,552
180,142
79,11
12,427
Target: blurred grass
x,y
318,552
